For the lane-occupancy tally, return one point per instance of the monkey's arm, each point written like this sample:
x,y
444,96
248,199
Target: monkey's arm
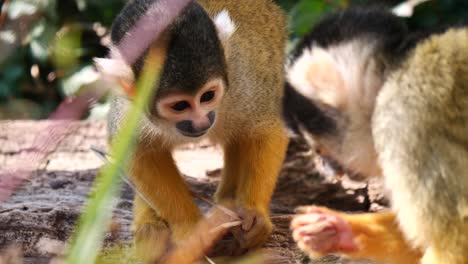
x,y
260,162
156,177
375,236
252,164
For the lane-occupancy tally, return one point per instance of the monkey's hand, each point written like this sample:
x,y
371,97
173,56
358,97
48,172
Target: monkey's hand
x,y
255,229
319,231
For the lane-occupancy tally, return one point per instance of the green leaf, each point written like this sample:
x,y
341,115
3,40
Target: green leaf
x,y
307,13
13,72
89,238
66,51
5,91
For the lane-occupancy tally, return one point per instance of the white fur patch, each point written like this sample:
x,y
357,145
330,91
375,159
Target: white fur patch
x,y
308,75
357,65
339,74
225,25
114,67
406,9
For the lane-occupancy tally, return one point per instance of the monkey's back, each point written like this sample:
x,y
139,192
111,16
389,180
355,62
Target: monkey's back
x,y
420,127
255,55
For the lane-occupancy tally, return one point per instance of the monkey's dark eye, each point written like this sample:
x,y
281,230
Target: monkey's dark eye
x,y
208,96
180,106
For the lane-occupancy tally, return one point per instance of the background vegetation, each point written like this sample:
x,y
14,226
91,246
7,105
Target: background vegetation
x,y
47,46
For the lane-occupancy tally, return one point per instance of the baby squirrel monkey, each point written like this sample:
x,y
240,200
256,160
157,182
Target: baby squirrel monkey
x,y
223,79
381,100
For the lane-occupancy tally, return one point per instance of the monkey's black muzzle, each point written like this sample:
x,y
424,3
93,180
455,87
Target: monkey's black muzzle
x,y
188,129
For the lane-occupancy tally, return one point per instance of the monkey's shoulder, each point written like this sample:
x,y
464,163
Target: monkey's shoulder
x,y
260,17
444,51
432,84
437,65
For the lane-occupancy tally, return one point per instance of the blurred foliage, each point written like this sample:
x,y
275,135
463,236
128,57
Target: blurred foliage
x,y
305,13
48,45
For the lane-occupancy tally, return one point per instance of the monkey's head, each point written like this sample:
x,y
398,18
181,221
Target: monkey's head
x,y
334,76
194,78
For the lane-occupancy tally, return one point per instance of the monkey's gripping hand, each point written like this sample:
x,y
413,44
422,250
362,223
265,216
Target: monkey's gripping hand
x,y
319,231
252,233
255,229
252,164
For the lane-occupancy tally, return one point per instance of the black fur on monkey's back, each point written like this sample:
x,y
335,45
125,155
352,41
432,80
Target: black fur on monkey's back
x,y
393,36
355,23
192,26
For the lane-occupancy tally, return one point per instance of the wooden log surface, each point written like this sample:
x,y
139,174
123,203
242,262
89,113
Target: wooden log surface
x,y
40,215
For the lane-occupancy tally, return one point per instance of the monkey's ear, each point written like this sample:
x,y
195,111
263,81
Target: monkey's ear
x,y
225,25
317,76
114,68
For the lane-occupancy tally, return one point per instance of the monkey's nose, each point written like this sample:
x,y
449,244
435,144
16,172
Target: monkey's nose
x,y
187,128
196,127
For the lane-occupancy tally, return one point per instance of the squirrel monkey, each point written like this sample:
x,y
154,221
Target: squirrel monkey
x,y
381,100
223,79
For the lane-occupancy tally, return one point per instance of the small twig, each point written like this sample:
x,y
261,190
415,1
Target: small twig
x,y
105,158
3,13
102,155
226,226
209,260
220,207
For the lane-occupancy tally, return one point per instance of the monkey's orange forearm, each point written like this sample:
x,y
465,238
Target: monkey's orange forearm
x,y
379,237
156,177
261,159
229,182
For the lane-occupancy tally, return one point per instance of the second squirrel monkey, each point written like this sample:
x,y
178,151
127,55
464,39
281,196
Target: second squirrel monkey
x,y
381,100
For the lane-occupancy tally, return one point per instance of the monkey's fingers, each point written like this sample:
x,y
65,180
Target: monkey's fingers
x,y
308,219
322,233
259,229
255,229
248,217
313,209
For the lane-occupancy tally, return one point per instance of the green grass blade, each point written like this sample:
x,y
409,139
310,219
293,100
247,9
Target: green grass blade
x,y
92,224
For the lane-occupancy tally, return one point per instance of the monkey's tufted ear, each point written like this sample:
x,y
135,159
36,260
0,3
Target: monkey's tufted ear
x,y
114,67
116,72
315,74
225,25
